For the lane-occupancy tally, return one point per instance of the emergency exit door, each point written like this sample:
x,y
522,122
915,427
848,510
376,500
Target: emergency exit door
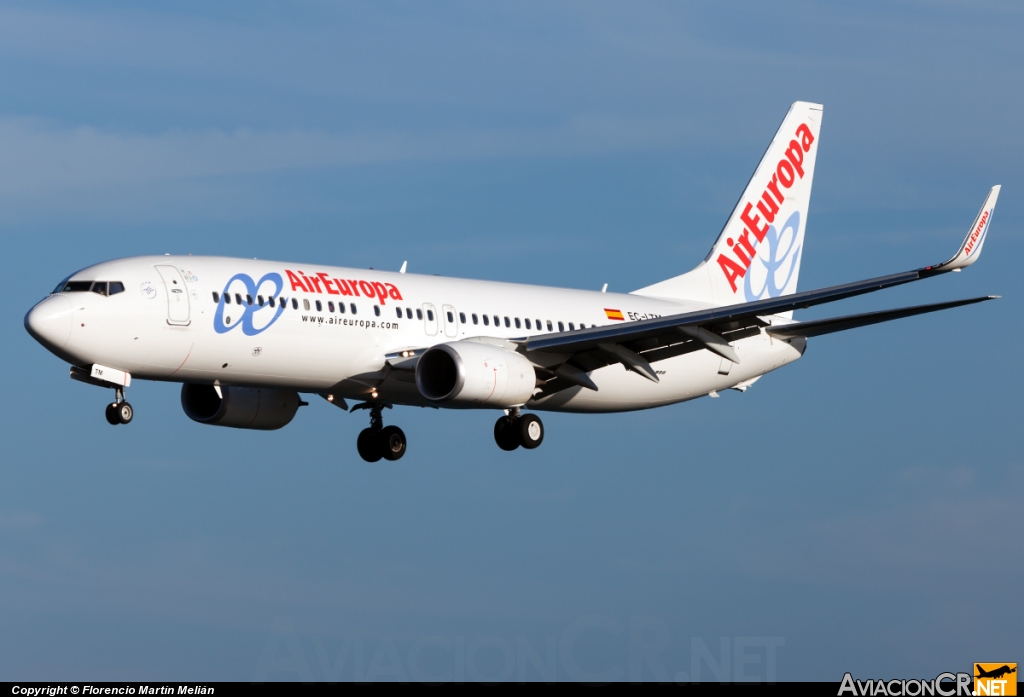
x,y
177,295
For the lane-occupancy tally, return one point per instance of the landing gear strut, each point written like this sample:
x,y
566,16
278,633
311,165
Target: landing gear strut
x,y
379,441
119,411
513,430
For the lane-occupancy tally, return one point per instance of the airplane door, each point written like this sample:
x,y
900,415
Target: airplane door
x,y
177,295
451,324
429,319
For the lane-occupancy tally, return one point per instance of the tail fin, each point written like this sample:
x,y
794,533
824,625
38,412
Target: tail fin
x,y
757,254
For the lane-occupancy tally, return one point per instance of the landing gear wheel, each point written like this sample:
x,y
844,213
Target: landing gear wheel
x,y
392,443
505,433
530,431
124,413
369,445
112,417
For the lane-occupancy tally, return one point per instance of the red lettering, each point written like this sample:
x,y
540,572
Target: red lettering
x,y
382,292
315,281
342,286
795,154
771,210
785,170
327,283
731,269
806,138
393,291
296,281
355,286
752,223
367,289
745,241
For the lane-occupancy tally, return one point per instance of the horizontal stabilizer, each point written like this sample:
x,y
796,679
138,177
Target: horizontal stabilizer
x,y
840,324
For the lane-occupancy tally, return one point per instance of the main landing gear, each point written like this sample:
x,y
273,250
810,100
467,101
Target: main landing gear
x,y
119,411
513,430
379,441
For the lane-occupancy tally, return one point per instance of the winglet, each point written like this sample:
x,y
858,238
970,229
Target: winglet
x,y
970,250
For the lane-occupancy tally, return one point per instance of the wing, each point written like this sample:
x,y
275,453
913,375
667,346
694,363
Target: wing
x,y
569,356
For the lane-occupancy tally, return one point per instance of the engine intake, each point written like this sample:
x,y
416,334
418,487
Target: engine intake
x,y
469,372
240,407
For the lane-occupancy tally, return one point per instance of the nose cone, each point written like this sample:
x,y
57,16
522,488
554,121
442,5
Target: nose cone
x,y
50,322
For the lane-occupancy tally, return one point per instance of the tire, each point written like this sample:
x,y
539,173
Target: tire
x,y
530,430
368,445
125,413
392,443
112,417
505,434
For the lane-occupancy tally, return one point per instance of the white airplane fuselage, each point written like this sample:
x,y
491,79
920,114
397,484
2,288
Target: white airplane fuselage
x,y
173,323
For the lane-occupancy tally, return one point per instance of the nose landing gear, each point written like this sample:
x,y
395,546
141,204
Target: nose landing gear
x,y
379,441
119,411
513,430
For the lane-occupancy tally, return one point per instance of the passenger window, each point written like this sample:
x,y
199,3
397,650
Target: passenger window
x,y
248,299
517,323
527,320
408,313
497,321
259,299
560,327
271,300
419,313
341,308
305,304
550,329
450,316
430,315
216,298
295,303
571,327
462,317
475,318
99,287
376,310
539,325
116,287
319,306
487,322
238,298
399,312
227,298
352,306
330,306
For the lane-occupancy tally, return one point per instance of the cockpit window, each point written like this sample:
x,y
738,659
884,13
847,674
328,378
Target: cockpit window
x,y
99,287
77,286
115,288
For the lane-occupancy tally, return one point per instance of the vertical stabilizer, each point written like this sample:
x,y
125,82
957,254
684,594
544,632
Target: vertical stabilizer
x,y
757,254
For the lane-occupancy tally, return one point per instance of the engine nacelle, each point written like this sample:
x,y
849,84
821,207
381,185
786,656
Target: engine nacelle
x,y
240,407
468,372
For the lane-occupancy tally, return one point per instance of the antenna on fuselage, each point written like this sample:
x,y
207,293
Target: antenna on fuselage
x,y
405,264
604,288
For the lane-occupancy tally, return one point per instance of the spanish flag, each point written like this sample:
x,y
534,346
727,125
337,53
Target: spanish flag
x,y
614,314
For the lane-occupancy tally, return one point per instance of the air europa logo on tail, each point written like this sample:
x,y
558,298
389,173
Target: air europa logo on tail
x,y
323,283
787,172
978,233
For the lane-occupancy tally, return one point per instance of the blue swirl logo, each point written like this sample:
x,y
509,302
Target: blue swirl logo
x,y
776,262
243,285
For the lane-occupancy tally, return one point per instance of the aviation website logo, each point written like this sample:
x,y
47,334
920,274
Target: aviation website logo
x,y
988,679
995,678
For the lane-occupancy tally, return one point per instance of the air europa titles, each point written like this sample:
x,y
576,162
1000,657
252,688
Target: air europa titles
x,y
976,235
787,172
323,283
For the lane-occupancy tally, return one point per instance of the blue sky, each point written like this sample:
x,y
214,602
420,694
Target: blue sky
x,y
859,510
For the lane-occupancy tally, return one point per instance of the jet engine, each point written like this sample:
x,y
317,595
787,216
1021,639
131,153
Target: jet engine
x,y
468,372
239,407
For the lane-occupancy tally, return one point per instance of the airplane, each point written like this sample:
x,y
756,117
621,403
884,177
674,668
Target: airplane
x,y
245,337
